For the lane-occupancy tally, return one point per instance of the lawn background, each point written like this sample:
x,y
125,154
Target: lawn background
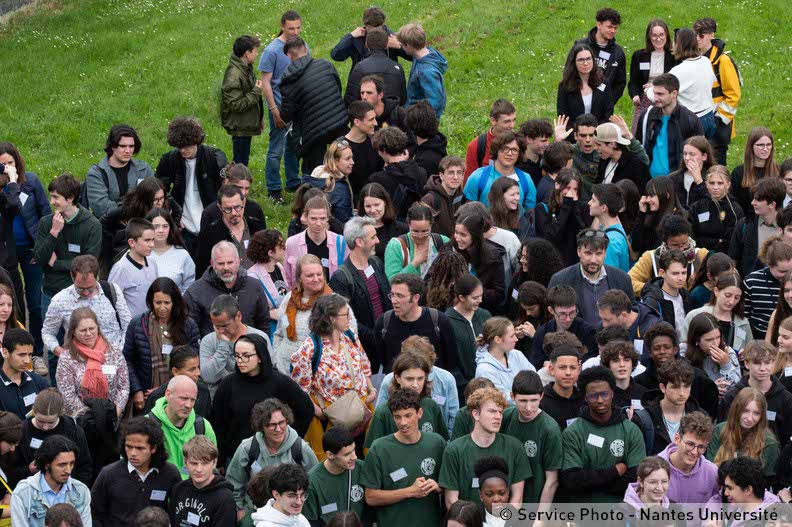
x,y
72,68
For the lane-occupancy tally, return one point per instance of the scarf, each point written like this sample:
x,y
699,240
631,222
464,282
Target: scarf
x,y
296,303
94,381
159,366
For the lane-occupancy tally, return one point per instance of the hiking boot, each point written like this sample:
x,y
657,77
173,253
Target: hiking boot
x,y
276,196
40,366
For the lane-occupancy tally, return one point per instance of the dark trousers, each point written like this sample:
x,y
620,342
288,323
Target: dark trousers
x,y
191,244
241,148
720,140
33,275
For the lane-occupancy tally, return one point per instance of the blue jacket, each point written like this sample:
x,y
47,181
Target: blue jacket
x,y
477,191
502,376
137,350
444,393
29,506
426,81
34,206
13,397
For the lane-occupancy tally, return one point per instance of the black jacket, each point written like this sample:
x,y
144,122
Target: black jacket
x,y
704,390
394,115
559,408
651,403
211,214
10,206
389,344
682,125
744,246
573,276
580,328
444,206
311,101
350,283
652,296
213,504
137,350
628,167
12,395
247,291
429,153
218,232
779,401
172,170
33,437
561,226
639,70
238,393
404,182
742,194
713,222
491,272
614,66
697,192
118,496
377,63
625,398
570,103
355,47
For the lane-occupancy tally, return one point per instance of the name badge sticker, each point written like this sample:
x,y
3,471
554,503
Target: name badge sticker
x,y
74,248
638,345
158,495
109,369
439,399
771,415
255,468
601,87
704,217
193,519
570,421
458,199
636,403
167,348
604,54
595,440
325,262
368,271
330,507
645,66
246,243
788,371
30,399
475,483
398,474
515,294
740,333
23,198
35,443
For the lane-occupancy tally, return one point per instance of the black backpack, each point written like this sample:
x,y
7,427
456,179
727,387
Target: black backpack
x,y
255,450
110,292
432,313
403,198
83,200
481,148
199,425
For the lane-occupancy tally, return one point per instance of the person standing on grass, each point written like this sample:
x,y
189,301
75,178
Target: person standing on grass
x,y
241,107
362,122
353,44
502,116
428,67
609,56
377,63
389,111
273,65
134,272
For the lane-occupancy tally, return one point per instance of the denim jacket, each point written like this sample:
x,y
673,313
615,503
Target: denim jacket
x,y
29,506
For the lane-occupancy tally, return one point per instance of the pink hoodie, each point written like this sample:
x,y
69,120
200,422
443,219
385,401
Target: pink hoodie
x,y
697,486
296,246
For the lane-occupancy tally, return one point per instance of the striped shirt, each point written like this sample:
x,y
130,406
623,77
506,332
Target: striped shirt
x,y
761,296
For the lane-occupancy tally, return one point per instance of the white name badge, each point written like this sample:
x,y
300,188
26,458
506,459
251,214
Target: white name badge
x,y
458,199
771,415
595,440
193,519
325,263
109,369
515,294
439,399
158,495
140,180
398,474
23,198
638,345
246,243
167,348
740,333
474,483
570,421
30,399
788,371
184,470
645,66
255,468
74,248
368,271
601,87
35,443
330,507
704,217
636,403
604,54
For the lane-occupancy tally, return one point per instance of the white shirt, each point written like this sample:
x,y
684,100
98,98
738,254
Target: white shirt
x,y
679,310
176,264
142,476
595,361
193,206
587,102
656,64
695,84
610,170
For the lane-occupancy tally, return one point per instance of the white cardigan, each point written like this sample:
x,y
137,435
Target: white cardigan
x,y
695,85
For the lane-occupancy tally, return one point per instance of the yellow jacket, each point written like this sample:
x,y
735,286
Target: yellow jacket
x,y
645,269
726,90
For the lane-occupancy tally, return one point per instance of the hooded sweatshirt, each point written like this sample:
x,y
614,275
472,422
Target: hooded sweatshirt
x,y
704,390
176,438
406,174
429,153
212,505
443,204
651,403
716,504
426,81
238,393
632,498
336,197
502,376
269,516
563,410
779,408
465,333
696,486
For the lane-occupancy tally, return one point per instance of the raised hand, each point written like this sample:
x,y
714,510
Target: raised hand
x,y
560,131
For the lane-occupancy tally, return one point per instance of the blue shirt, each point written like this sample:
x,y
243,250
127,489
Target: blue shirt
x,y
274,60
527,195
659,166
618,252
50,495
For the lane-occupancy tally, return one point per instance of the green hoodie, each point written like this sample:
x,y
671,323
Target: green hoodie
x,y
465,334
81,235
176,438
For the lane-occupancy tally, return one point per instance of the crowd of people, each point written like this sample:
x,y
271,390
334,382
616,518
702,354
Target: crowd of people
x,y
576,311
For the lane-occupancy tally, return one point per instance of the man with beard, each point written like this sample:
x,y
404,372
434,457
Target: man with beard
x,y
389,111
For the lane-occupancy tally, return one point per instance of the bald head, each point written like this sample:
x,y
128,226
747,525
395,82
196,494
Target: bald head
x,y
180,396
225,262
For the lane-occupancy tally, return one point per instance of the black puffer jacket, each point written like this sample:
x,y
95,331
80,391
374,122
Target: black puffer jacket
x,y
683,125
209,162
312,101
377,63
404,181
429,153
445,206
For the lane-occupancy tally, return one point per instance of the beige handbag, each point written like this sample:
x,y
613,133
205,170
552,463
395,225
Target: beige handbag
x,y
348,411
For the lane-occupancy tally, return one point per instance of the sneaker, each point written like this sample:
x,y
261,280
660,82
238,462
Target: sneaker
x,y
40,366
276,196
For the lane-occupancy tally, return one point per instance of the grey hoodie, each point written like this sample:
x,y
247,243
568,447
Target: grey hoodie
x,y
502,376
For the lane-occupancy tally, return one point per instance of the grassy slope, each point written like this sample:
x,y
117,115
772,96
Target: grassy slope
x,y
73,68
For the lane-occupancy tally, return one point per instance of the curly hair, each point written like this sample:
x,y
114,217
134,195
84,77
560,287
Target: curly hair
x,y
262,243
262,413
447,268
184,132
542,261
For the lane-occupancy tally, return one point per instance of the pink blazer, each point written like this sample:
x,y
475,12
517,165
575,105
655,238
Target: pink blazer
x,y
296,247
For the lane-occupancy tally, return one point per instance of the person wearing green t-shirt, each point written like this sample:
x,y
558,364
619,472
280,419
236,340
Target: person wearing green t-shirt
x,y
334,484
602,448
539,434
463,424
401,469
410,371
457,476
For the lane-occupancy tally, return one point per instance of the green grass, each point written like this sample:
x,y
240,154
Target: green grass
x,y
70,69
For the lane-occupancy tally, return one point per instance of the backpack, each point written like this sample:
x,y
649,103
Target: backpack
x,y
647,428
528,223
110,292
83,200
436,239
255,450
199,426
433,313
481,148
402,199
100,424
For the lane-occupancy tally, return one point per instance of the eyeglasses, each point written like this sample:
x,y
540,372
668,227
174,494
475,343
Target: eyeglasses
x,y
584,61
507,150
592,397
81,290
594,234
343,314
341,142
295,496
275,426
244,359
569,315
657,37
235,208
690,446
763,146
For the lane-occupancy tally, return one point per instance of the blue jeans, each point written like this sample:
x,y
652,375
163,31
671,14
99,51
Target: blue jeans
x,y
340,198
708,123
241,148
52,360
279,148
33,274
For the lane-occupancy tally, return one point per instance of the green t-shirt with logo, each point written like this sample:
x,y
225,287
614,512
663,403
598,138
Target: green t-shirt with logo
x,y
382,422
393,465
593,447
330,493
541,441
461,454
463,424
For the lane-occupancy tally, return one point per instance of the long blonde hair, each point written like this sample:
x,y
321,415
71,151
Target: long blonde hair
x,y
331,157
751,442
783,359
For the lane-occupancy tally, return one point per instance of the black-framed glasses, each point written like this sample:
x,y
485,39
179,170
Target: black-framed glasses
x,y
229,210
592,397
243,359
690,446
81,290
275,426
584,60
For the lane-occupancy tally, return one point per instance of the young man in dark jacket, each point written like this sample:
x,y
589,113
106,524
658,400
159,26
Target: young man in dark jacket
x,y
191,165
444,194
617,162
667,294
562,304
362,280
312,102
19,386
402,178
377,63
562,400
353,44
609,56
389,111
430,144
242,108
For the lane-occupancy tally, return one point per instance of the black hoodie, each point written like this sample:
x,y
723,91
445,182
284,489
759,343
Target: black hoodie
x,y
779,406
444,205
651,403
704,389
238,393
613,62
404,182
393,115
429,153
210,506
561,409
